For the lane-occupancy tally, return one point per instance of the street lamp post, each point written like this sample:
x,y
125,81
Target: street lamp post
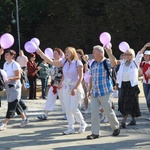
x,y
18,28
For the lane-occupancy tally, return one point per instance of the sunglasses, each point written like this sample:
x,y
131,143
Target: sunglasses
x,y
128,54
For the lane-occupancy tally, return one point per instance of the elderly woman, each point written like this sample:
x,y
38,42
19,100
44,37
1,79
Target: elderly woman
x,y
128,82
13,89
72,87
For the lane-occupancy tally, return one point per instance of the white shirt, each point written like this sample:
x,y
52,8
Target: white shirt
x,y
126,74
133,78
13,93
10,68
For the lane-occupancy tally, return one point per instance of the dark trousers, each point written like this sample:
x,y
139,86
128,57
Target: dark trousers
x,y
44,86
22,104
12,108
32,90
119,99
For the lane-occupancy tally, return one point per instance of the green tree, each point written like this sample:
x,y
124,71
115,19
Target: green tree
x,y
78,23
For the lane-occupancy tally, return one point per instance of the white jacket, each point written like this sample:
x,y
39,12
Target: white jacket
x,y
133,70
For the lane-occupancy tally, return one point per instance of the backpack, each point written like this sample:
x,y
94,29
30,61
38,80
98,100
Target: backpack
x,y
111,74
1,82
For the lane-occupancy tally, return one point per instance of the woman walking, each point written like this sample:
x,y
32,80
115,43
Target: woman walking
x,y
128,82
72,88
13,89
55,87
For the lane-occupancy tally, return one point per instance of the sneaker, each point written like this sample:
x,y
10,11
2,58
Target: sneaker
x,y
24,123
105,120
85,111
69,131
2,127
148,118
92,136
83,108
82,127
42,117
25,111
44,97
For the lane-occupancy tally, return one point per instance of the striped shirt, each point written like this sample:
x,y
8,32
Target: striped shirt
x,y
101,84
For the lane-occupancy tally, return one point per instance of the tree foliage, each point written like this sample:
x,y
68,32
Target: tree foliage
x,y
78,23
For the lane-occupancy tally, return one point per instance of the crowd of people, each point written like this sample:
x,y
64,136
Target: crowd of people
x,y
67,83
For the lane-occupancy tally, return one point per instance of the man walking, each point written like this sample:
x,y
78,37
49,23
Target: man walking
x,y
101,88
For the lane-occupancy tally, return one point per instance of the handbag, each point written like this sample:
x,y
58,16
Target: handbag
x,y
26,85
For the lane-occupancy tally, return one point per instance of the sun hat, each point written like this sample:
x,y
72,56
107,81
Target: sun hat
x,y
147,52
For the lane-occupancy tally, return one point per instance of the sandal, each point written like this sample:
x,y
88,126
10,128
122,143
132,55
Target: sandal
x,y
123,125
132,123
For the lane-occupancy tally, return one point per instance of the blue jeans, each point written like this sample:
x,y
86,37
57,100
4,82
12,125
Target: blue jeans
x,y
146,88
44,86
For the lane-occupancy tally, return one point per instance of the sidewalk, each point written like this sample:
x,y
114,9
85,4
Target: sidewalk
x,y
47,135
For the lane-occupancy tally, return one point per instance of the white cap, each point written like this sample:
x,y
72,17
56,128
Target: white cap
x,y
147,52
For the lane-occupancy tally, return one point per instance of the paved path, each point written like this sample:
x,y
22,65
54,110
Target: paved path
x,y
47,135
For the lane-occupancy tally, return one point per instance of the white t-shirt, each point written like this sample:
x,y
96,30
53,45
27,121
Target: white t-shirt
x,y
126,74
14,92
22,60
10,68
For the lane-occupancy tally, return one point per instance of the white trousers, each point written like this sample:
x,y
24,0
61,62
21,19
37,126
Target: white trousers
x,y
51,99
71,107
106,103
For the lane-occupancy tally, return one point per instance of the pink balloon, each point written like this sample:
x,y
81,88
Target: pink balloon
x,y
4,74
6,41
49,52
87,76
124,46
30,47
105,38
36,41
109,45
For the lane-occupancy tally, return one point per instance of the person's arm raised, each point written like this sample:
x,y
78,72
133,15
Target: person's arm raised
x,y
112,58
49,60
144,48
